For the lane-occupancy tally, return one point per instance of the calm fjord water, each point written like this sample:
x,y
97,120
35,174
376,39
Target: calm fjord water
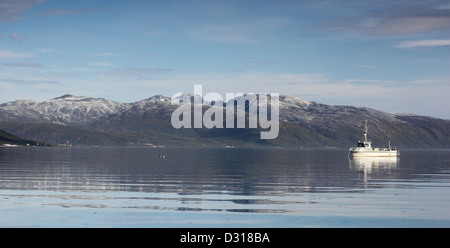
x,y
219,187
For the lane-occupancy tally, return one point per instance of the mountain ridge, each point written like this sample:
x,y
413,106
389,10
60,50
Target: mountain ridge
x,y
82,120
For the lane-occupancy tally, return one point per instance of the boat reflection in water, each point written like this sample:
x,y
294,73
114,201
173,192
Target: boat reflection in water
x,y
367,166
370,164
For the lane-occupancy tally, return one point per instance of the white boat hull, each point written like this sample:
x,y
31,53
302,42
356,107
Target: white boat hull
x,y
374,153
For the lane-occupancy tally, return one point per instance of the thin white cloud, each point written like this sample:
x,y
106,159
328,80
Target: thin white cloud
x,y
424,43
371,81
298,78
5,54
102,64
80,69
11,10
223,34
14,36
21,64
104,55
443,6
28,81
47,50
246,32
131,72
396,21
59,12
367,66
246,81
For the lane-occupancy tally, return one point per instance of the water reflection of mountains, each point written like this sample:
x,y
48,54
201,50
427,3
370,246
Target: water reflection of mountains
x,y
186,171
183,171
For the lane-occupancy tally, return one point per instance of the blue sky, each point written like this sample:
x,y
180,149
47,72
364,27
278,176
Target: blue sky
x,y
388,55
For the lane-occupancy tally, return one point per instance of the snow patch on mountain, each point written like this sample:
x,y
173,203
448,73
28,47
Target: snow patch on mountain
x,y
82,110
66,110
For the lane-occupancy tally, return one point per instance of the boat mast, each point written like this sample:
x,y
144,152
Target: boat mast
x,y
365,132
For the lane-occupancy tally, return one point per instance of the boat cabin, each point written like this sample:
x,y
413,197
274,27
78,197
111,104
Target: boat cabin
x,y
366,144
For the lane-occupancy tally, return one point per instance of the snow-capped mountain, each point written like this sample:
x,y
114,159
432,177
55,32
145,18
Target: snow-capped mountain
x,y
86,120
66,110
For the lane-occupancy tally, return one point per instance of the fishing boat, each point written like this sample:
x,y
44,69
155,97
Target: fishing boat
x,y
365,149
